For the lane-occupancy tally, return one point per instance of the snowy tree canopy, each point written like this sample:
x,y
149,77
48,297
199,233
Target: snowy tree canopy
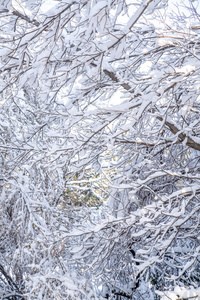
x,y
99,98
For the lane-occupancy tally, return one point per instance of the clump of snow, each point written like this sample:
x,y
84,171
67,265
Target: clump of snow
x,y
186,69
180,293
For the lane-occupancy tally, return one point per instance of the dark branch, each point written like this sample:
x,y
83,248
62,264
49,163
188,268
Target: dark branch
x,y
26,18
11,283
189,141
